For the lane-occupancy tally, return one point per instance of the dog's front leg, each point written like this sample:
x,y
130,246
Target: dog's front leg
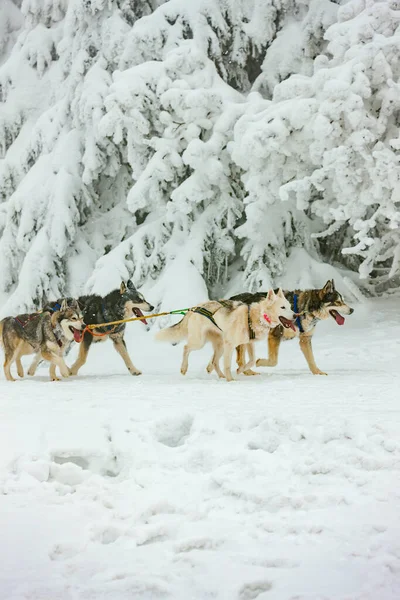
x,y
20,369
120,346
306,348
228,351
53,375
274,341
83,352
246,369
241,356
56,359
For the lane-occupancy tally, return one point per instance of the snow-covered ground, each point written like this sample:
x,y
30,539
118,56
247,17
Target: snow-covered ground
x,y
277,487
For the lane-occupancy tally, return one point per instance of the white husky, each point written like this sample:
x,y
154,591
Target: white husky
x,y
232,324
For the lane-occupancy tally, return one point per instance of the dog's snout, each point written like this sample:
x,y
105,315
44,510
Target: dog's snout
x,y
351,311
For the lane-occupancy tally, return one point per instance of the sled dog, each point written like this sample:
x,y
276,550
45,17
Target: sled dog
x,y
44,334
313,306
122,303
233,323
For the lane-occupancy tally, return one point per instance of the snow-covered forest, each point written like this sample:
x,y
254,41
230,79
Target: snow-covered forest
x,y
212,137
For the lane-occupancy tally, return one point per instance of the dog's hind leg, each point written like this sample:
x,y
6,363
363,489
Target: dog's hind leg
x,y
185,359
10,357
218,351
120,346
228,351
274,341
306,348
34,365
83,353
7,367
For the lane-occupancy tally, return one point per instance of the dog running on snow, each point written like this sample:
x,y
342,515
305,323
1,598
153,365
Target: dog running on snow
x,y
233,323
122,303
313,305
44,334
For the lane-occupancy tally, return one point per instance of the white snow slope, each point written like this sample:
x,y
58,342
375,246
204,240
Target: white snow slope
x,y
277,487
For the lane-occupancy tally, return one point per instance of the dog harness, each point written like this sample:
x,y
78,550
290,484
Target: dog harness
x,y
298,320
252,334
111,328
205,313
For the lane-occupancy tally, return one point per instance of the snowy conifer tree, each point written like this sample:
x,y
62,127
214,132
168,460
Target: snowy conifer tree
x,y
329,142
136,137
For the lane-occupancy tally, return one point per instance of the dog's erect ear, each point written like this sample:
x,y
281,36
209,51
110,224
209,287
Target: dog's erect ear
x,y
328,287
131,285
122,288
271,296
64,305
280,293
333,285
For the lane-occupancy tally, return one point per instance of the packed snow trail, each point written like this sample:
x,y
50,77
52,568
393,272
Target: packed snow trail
x,y
276,487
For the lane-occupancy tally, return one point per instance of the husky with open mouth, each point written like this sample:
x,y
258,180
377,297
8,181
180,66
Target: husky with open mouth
x,y
122,303
232,323
312,306
48,335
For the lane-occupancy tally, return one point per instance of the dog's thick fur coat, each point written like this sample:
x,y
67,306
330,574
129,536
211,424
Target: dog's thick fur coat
x,y
122,303
44,334
313,305
235,323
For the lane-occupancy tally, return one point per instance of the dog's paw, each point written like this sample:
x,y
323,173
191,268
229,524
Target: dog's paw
x,y
250,372
318,372
263,362
55,379
135,373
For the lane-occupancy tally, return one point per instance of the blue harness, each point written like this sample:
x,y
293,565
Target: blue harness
x,y
298,321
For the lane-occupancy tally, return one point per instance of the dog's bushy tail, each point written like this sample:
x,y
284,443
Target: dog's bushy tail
x,y
174,334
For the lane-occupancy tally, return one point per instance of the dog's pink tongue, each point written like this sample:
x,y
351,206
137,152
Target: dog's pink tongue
x,y
77,335
338,318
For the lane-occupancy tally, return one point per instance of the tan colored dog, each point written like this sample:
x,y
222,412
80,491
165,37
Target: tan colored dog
x,y
234,323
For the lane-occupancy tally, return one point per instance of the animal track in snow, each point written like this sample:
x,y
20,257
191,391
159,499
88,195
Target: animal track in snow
x,y
198,544
101,465
174,433
252,590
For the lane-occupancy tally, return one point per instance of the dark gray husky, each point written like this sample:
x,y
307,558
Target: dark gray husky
x,y
122,303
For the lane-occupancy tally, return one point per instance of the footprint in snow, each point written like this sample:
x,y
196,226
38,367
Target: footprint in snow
x,y
252,590
174,433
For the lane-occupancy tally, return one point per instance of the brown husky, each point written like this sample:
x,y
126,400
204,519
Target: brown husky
x,y
232,323
313,306
44,334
